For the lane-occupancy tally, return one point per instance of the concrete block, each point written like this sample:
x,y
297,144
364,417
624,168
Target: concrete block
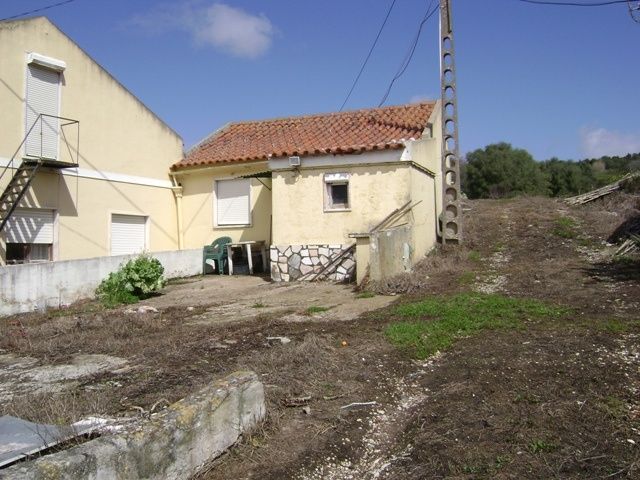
x,y
171,445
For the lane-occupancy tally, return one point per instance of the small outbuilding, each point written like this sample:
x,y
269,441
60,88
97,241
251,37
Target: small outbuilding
x,y
334,195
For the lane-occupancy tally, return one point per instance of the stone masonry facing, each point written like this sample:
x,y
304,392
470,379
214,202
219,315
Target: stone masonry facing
x,y
310,262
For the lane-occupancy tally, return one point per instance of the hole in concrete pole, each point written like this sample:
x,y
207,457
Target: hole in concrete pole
x,y
450,161
450,178
447,59
449,126
449,93
448,75
447,44
450,144
451,195
452,228
449,110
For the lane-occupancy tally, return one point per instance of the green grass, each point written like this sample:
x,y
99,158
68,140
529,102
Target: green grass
x,y
474,256
366,294
316,309
466,278
437,322
565,227
258,305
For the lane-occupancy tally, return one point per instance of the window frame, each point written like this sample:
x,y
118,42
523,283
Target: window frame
x,y
27,247
331,179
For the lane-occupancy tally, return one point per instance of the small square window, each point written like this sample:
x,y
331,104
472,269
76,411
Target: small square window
x,y
28,252
336,191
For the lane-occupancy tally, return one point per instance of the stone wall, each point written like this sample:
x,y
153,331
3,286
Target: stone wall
x,y
305,262
171,445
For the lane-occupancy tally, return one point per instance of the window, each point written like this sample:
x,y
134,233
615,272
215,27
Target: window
x,y
128,234
43,97
336,191
28,252
30,235
232,202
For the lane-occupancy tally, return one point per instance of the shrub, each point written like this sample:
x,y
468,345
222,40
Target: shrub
x,y
135,280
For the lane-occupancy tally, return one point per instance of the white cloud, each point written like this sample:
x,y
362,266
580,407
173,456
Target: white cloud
x,y
221,26
598,142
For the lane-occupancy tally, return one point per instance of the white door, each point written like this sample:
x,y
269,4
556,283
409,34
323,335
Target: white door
x,y
128,234
43,96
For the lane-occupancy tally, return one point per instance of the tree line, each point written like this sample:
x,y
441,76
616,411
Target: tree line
x,y
500,170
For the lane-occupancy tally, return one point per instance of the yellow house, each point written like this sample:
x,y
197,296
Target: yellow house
x,y
325,192
84,163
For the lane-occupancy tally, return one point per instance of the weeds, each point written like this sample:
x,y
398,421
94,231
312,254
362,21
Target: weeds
x,y
565,227
366,294
541,446
258,305
466,278
474,256
442,320
315,309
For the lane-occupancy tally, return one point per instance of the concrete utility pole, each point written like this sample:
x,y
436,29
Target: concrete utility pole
x,y
451,211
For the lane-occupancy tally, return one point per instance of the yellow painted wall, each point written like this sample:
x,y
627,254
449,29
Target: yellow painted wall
x,y
118,134
198,205
298,202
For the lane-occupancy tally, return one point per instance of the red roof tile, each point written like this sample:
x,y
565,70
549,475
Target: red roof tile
x,y
331,133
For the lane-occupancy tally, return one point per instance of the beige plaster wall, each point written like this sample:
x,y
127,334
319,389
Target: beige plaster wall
x,y
118,134
375,190
198,205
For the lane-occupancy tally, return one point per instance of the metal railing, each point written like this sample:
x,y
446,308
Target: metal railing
x,y
60,133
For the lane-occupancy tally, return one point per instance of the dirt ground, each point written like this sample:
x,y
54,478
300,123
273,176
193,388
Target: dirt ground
x,y
555,399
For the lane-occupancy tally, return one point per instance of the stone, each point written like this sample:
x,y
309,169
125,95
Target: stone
x,y
333,247
315,261
296,248
172,444
304,252
294,261
307,261
282,259
348,263
339,277
317,268
287,252
313,252
285,277
294,274
324,251
284,268
275,273
342,270
304,269
282,340
274,255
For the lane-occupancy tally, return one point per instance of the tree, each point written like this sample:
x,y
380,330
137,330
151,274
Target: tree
x,y
568,178
499,170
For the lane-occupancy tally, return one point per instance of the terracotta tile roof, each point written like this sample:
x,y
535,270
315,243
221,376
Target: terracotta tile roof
x,y
330,133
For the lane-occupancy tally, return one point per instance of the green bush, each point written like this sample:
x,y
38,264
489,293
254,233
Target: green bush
x,y
135,280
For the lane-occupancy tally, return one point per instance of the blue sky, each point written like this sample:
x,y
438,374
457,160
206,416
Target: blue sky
x,y
557,81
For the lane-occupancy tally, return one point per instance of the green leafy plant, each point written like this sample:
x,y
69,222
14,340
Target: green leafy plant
x,y
135,280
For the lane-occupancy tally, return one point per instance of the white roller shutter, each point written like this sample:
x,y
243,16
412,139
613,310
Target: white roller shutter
x,y
30,226
43,96
232,203
128,234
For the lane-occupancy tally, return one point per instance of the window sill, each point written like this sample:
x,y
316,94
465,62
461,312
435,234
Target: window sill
x,y
227,227
332,210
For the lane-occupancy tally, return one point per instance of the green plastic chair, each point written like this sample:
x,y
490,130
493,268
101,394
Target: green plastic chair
x,y
217,252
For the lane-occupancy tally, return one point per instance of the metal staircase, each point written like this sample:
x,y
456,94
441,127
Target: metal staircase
x,y
29,166
16,189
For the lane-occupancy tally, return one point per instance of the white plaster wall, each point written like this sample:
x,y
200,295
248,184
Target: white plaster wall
x,y
29,287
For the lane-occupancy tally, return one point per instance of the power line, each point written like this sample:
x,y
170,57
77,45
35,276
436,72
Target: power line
x,y
575,4
407,59
37,10
368,55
